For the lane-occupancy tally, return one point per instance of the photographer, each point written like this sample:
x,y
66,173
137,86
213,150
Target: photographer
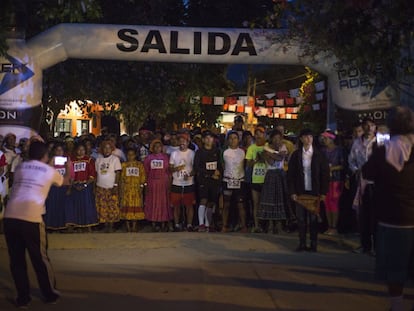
x,y
23,224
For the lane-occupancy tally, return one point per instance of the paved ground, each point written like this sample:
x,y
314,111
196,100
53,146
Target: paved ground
x,y
202,271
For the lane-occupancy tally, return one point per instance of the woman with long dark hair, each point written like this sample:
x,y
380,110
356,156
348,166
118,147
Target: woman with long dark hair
x,y
274,195
55,217
81,210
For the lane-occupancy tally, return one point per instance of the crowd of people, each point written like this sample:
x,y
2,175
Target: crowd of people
x,y
194,180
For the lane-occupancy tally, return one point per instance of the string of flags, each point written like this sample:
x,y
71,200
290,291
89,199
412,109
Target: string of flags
x,y
281,105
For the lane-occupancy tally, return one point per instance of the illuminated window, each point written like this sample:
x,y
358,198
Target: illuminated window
x,y
63,126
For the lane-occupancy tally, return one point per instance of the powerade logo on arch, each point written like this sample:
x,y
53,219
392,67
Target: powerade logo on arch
x,y
218,43
351,78
13,73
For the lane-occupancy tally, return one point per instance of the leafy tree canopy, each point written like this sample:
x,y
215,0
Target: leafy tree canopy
x,y
373,35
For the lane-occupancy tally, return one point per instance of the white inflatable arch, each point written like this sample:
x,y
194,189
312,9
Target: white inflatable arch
x,y
21,69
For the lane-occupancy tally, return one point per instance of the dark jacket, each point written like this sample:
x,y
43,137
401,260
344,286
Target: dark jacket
x,y
393,190
319,172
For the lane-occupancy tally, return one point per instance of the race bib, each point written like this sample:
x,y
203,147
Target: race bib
x,y
259,171
211,166
61,171
234,184
182,174
157,164
132,171
79,167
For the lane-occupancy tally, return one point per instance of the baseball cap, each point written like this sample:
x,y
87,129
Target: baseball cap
x,y
328,134
230,133
207,133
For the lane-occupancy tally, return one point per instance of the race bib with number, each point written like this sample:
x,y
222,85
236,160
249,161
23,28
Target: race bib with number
x,y
259,171
157,164
234,184
211,166
132,171
79,167
61,171
182,174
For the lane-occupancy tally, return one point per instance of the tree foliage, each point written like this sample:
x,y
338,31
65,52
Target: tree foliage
x,y
160,90
373,35
34,16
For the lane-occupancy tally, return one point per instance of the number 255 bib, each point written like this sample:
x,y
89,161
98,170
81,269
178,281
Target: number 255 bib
x,y
259,172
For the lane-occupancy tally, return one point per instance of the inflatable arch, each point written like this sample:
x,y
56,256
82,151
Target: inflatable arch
x,y
21,69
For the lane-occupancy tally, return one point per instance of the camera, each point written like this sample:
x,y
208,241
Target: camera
x,y
60,160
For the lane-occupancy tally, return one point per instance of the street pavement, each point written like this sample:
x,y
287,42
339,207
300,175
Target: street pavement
x,y
203,271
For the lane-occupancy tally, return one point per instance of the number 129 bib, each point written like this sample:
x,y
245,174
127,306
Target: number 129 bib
x,y
157,164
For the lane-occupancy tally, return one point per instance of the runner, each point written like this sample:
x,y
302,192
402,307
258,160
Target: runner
x,y
57,199
157,201
255,160
133,179
233,177
183,189
274,195
207,166
81,209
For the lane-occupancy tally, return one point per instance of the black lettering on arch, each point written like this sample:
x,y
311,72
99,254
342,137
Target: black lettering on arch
x,y
174,49
244,43
126,35
212,40
154,35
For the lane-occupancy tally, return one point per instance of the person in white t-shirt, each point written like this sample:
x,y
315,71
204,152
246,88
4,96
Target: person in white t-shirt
x,y
233,177
108,170
182,189
23,223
